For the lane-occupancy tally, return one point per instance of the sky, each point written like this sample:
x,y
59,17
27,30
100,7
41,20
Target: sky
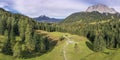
x,y
53,8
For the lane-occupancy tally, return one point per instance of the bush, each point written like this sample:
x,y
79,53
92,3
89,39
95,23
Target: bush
x,y
61,38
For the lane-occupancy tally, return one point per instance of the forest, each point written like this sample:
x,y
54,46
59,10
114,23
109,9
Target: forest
x,y
21,38
103,30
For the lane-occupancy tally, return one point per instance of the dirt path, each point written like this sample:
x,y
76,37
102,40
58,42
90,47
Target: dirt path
x,y
64,51
68,41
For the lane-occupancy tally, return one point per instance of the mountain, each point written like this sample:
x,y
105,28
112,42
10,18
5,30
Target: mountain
x,y
90,37
97,27
44,18
89,17
93,13
101,8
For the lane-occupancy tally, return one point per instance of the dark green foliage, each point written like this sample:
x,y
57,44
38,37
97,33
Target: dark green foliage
x,y
102,35
88,17
29,42
61,38
7,47
22,39
2,25
46,42
37,38
90,24
17,50
99,43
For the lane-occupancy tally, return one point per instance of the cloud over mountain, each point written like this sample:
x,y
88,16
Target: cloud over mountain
x,y
52,8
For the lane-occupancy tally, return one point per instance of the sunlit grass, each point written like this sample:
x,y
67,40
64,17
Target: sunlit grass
x,y
82,52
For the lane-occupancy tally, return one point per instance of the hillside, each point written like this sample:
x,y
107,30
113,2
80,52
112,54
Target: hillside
x,y
89,17
93,13
102,29
78,49
18,36
81,36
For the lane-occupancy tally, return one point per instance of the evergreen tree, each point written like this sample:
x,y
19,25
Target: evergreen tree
x,y
2,26
99,44
17,50
29,41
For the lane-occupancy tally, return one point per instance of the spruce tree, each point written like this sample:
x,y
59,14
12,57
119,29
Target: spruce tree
x,y
29,41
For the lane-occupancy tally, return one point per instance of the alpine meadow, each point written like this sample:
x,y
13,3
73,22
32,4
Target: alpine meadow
x,y
59,30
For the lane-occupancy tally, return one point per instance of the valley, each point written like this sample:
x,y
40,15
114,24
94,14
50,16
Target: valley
x,y
93,34
70,49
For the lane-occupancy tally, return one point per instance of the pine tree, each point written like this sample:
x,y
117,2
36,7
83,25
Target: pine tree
x,y
17,50
99,44
29,41
2,25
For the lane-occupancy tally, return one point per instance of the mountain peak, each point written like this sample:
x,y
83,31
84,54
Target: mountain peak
x,y
44,18
101,8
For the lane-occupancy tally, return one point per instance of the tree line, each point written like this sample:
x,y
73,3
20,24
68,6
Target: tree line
x,y
21,38
104,35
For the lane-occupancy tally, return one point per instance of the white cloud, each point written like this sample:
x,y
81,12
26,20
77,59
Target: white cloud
x,y
2,4
112,4
52,8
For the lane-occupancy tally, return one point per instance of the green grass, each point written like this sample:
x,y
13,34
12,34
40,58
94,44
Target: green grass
x,y
104,21
5,57
71,52
82,52
78,53
57,52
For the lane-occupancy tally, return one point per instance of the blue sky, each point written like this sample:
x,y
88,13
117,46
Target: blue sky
x,y
53,8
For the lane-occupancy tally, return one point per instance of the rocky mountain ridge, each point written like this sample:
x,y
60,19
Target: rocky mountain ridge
x,y
101,8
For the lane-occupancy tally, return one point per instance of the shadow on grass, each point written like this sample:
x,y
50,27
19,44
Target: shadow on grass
x,y
28,55
89,45
36,54
107,53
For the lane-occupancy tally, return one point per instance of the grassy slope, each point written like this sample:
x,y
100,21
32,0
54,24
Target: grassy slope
x,y
82,52
71,53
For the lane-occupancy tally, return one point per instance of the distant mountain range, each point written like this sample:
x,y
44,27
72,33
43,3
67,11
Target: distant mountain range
x,y
100,8
44,18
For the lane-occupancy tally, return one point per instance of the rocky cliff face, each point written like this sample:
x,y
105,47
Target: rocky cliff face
x,y
101,9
